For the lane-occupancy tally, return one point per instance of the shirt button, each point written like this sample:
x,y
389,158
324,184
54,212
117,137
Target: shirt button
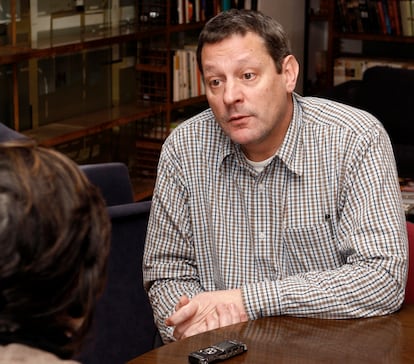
x,y
262,235
261,187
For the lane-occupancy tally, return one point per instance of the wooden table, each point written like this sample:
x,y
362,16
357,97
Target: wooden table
x,y
387,339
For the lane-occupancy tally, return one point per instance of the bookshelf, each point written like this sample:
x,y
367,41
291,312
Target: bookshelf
x,y
344,37
95,80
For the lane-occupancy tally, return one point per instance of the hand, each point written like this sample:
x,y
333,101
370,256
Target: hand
x,y
207,311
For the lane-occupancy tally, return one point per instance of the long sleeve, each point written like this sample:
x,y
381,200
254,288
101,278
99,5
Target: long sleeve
x,y
170,269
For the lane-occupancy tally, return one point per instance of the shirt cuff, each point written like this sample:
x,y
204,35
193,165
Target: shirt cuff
x,y
262,299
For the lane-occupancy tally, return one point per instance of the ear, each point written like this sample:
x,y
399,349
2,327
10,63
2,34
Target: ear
x,y
290,71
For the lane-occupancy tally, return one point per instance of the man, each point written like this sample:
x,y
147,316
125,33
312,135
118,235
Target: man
x,y
270,203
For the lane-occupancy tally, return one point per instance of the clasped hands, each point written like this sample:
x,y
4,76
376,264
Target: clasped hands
x,y
207,311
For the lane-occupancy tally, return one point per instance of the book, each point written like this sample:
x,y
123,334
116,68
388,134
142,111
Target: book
x,y
394,18
353,15
187,81
225,5
197,10
412,16
196,84
189,11
387,19
405,16
364,15
373,17
381,17
176,77
180,11
342,14
396,14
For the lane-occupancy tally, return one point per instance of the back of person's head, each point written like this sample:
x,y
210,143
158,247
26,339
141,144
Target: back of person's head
x,y
54,243
240,22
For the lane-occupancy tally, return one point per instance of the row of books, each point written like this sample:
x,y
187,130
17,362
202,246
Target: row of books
x,y
353,68
391,17
187,11
187,81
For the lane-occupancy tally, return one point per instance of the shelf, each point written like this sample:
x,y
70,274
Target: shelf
x,y
72,43
151,68
91,123
374,37
176,28
10,54
64,45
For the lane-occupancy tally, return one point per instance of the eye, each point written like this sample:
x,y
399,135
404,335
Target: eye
x,y
214,83
249,76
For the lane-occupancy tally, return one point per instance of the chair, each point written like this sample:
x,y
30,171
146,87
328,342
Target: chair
x,y
123,322
7,134
112,179
409,288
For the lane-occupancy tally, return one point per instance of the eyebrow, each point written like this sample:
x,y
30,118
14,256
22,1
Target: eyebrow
x,y
241,62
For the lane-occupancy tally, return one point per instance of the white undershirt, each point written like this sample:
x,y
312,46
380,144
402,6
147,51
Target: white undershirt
x,y
260,166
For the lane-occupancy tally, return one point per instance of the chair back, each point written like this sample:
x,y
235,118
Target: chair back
x,y
113,180
123,322
409,288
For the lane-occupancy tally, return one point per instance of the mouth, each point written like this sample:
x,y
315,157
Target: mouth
x,y
235,119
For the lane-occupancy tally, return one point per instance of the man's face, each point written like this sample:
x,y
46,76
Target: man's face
x,y
250,100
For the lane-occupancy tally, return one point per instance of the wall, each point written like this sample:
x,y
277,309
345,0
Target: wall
x,y
291,14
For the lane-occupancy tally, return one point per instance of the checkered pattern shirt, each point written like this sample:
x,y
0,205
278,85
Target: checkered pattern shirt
x,y
320,232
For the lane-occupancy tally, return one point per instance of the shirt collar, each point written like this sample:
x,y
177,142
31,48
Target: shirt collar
x,y
291,150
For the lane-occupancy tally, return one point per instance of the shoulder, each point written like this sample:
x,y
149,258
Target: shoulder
x,y
198,132
201,122
323,112
23,354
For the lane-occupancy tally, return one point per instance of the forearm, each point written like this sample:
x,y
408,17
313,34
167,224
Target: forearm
x,y
348,292
164,296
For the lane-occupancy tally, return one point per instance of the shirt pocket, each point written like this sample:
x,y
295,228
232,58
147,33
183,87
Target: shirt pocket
x,y
311,248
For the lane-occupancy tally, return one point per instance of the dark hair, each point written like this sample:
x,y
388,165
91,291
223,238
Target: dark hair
x,y
54,243
234,21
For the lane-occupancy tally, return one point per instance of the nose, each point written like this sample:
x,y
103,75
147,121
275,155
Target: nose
x,y
232,92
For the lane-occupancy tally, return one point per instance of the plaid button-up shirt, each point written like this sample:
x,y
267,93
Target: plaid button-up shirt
x,y
320,232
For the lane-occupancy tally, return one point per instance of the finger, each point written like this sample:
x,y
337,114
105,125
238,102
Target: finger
x,y
178,332
234,314
182,314
224,315
212,321
243,317
182,302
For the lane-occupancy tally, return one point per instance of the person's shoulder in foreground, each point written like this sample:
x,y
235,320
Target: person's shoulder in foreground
x,y
54,243
23,354
270,203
